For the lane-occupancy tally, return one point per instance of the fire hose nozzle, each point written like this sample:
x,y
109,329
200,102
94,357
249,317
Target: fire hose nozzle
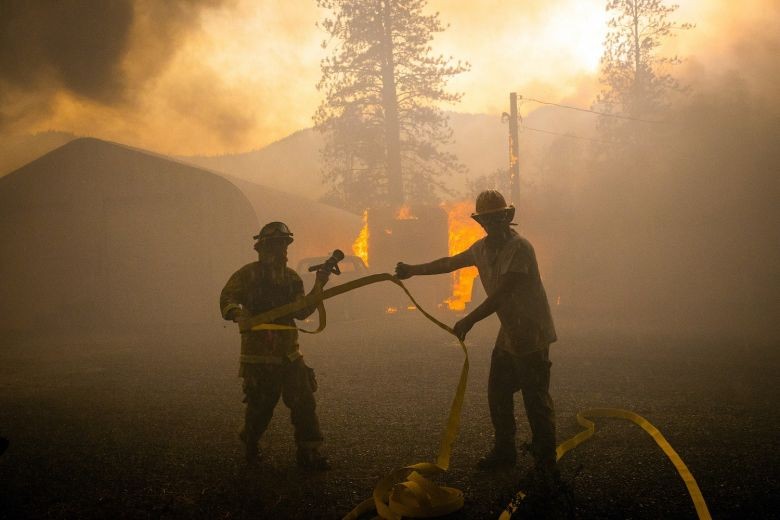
x,y
330,265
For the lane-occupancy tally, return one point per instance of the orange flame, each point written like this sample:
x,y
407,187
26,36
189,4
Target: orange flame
x,y
405,213
463,231
360,245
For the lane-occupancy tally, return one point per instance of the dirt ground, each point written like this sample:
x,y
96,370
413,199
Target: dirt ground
x,y
150,430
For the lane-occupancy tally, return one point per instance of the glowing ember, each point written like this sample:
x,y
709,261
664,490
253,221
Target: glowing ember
x,y
391,310
360,246
405,213
463,231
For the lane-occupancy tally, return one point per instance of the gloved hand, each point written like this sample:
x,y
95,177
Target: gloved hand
x,y
237,315
462,327
403,271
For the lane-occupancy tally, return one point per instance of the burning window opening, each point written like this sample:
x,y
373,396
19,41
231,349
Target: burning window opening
x,y
463,231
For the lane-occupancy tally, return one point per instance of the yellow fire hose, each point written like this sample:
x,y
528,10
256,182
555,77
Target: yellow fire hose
x,y
590,428
417,496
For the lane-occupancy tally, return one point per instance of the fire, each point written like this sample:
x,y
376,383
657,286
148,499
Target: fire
x,y
360,246
405,213
463,231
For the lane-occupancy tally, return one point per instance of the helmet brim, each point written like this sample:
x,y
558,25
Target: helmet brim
x,y
289,239
492,211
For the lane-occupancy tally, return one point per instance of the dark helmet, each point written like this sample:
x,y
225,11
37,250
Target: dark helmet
x,y
490,202
274,230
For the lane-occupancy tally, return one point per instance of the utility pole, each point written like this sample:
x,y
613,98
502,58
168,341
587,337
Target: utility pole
x,y
395,184
514,151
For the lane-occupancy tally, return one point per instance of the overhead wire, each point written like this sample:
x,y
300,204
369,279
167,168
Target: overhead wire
x,y
580,109
572,136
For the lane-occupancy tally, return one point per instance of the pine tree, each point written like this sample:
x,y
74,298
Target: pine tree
x,y
636,79
380,115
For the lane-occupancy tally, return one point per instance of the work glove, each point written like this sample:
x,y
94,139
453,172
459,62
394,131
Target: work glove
x,y
237,315
462,327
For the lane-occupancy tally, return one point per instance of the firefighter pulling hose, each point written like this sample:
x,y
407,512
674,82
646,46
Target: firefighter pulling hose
x,y
520,362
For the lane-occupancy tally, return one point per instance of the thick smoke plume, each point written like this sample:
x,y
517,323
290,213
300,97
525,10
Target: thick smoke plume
x,y
195,77
45,42
64,56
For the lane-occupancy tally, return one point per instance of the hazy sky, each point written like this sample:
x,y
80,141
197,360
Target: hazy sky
x,y
220,76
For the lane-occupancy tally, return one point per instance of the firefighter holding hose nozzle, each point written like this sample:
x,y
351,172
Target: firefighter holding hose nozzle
x,y
520,361
271,364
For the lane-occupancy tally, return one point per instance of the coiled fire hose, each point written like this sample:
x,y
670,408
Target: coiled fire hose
x,y
416,496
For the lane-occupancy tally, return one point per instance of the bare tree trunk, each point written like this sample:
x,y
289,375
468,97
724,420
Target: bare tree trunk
x,y
637,87
395,184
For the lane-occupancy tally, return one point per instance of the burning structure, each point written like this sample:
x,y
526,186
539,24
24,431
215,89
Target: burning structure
x,y
415,234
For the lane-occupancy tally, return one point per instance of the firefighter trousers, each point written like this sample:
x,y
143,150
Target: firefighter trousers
x,y
294,382
529,374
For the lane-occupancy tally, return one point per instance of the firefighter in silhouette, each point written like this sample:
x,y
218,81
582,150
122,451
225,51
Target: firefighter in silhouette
x,y
510,275
271,364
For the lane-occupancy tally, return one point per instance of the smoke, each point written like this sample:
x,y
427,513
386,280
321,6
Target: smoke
x,y
67,59
95,49
81,51
676,234
220,76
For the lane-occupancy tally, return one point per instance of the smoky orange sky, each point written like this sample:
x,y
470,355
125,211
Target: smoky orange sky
x,y
223,76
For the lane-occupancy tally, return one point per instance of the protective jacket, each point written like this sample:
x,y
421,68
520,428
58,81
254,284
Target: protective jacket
x,y
254,289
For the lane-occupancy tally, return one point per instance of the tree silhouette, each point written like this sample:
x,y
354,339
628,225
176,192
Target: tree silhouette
x,y
635,77
380,115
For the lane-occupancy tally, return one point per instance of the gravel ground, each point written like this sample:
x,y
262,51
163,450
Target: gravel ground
x,y
150,431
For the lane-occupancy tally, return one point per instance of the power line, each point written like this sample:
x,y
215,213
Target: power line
x,y
579,109
572,136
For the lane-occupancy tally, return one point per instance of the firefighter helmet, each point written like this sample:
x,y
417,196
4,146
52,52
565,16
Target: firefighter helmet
x,y
491,201
274,230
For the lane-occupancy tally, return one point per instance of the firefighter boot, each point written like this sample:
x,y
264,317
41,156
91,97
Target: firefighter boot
x,y
502,455
311,459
